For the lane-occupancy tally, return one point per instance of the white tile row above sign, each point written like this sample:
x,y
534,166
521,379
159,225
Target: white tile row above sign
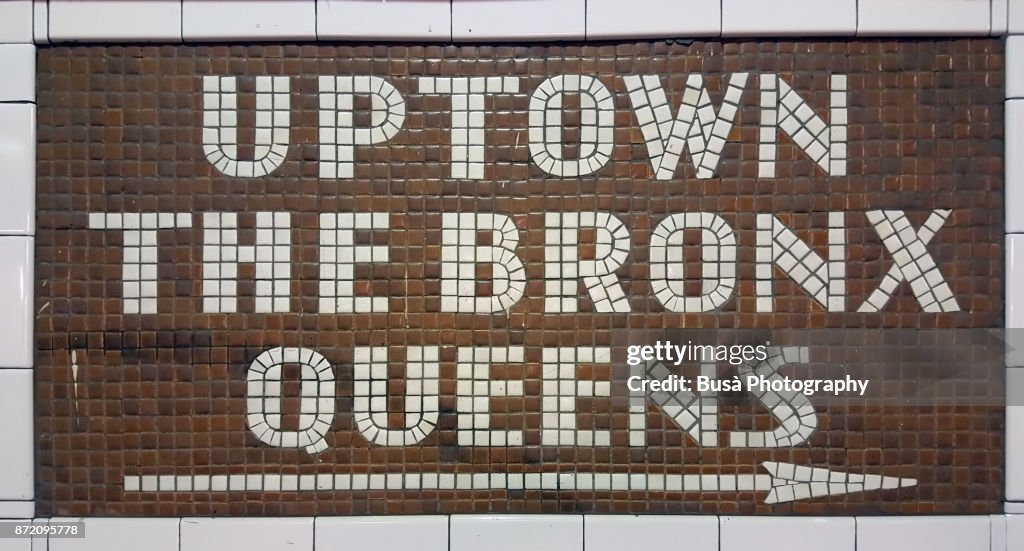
x,y
21,21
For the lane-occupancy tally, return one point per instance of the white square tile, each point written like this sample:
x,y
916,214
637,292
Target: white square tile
x,y
398,19
654,18
1014,475
424,533
518,19
1014,287
17,462
17,509
789,17
934,533
618,532
19,72
1014,16
17,283
115,20
151,534
1014,536
1015,66
516,532
19,544
1014,144
997,532
253,20
16,22
41,21
923,17
1000,15
791,533
265,534
18,159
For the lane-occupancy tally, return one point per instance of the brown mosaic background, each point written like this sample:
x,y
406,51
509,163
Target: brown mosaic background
x,y
119,131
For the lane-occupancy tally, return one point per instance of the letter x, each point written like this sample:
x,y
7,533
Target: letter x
x,y
913,262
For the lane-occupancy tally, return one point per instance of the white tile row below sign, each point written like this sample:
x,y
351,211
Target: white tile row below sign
x,y
556,532
459,20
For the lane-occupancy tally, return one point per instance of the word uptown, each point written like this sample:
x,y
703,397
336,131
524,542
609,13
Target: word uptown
x,y
697,126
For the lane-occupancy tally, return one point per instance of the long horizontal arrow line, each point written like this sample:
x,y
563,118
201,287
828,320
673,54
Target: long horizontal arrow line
x,y
785,482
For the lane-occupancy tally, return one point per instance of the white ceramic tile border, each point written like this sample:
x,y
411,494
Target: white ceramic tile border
x,y
60,21
923,17
115,20
1014,475
17,462
228,20
1008,17
618,532
392,20
515,532
424,533
16,22
653,18
19,73
934,533
806,17
1014,164
151,534
18,159
744,533
518,20
265,534
473,20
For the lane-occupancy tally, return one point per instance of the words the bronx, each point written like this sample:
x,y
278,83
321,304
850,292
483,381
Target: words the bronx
x,y
696,129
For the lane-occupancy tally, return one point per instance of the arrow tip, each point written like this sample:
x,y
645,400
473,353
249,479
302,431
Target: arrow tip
x,y
795,482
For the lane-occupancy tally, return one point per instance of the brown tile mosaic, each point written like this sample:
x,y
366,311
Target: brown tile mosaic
x,y
354,279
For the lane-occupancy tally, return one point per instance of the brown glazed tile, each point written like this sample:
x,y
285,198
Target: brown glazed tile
x,y
120,130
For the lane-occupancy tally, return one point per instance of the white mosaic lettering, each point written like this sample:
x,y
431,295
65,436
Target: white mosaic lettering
x,y
696,127
338,135
339,255
271,255
560,390
778,245
718,257
316,399
913,262
139,258
370,394
475,388
220,125
597,125
782,108
468,116
696,414
563,267
460,255
790,408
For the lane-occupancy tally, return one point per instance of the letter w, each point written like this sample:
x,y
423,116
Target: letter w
x,y
697,126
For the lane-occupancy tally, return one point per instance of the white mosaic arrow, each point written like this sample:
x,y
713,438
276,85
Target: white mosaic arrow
x,y
785,482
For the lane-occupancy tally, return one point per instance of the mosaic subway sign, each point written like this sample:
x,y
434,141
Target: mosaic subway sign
x,y
407,279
